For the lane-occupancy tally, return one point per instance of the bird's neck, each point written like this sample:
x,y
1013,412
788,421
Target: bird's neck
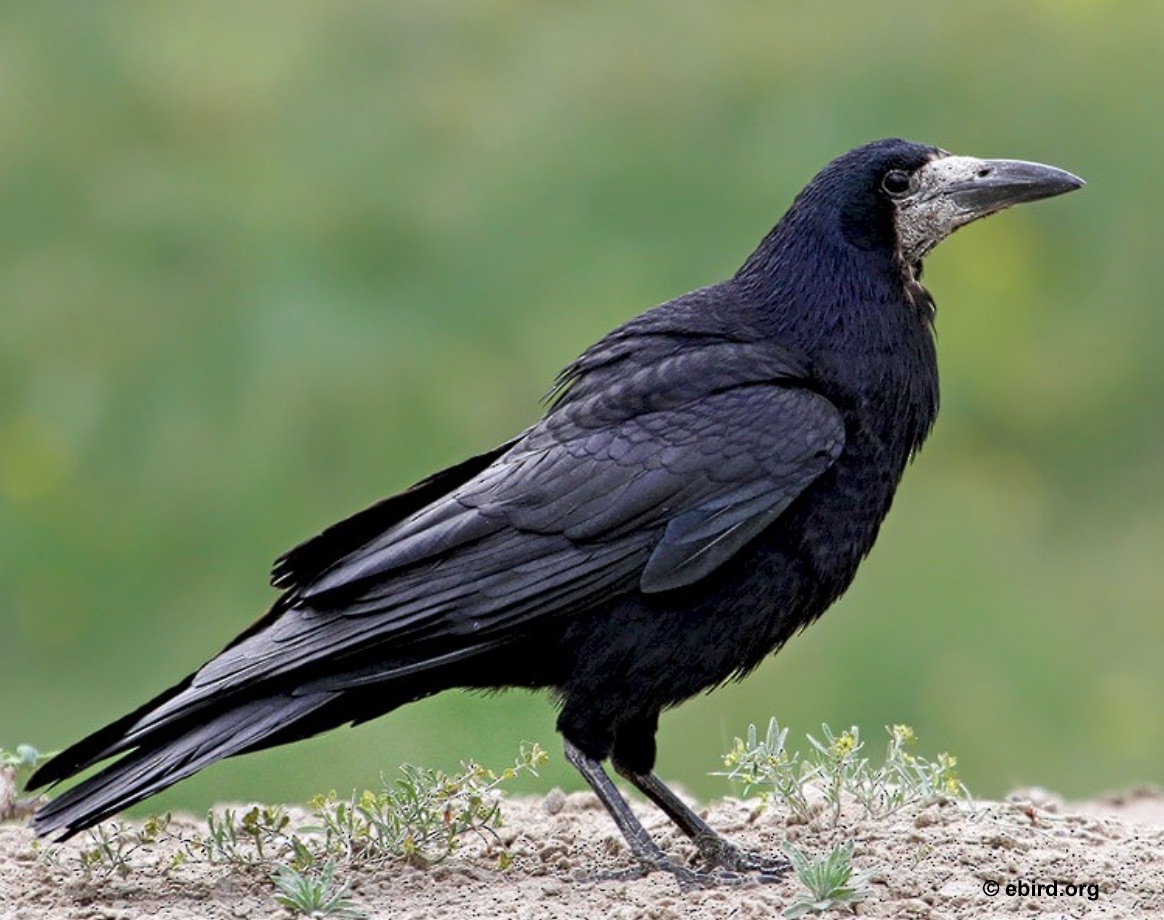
x,y
864,324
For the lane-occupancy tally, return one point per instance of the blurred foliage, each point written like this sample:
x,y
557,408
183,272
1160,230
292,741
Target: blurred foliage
x,y
262,263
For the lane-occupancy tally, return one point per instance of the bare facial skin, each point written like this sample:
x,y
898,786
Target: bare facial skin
x,y
951,191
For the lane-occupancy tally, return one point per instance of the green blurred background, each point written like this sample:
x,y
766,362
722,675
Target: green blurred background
x,y
263,263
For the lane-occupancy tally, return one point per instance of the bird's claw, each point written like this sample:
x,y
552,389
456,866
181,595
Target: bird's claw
x,y
722,854
723,864
738,868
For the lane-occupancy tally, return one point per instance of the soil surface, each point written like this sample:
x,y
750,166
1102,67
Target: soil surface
x,y
932,861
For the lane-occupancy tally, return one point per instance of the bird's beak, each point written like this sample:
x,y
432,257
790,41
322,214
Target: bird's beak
x,y
982,187
951,191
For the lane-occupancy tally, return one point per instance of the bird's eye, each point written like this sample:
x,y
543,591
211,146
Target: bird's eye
x,y
895,183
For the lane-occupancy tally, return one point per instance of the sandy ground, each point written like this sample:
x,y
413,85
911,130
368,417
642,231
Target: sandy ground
x,y
932,861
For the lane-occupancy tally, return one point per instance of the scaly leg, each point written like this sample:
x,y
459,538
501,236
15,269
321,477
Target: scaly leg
x,y
715,849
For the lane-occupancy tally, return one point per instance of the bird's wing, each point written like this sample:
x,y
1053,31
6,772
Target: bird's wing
x,y
650,481
304,563
697,480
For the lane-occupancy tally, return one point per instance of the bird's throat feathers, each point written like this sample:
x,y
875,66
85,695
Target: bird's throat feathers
x,y
861,315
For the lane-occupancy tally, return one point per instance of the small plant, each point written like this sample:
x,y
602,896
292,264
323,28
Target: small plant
x,y
421,816
835,770
112,845
840,767
247,840
312,892
830,880
15,768
767,763
905,778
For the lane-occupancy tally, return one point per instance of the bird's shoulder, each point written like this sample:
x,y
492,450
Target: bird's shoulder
x,y
675,354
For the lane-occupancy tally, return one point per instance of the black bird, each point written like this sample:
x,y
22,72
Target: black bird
x,y
704,484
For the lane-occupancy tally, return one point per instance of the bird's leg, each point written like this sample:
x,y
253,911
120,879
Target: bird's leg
x,y
715,849
651,858
640,842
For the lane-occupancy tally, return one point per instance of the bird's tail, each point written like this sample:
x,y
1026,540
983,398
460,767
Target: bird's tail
x,y
171,752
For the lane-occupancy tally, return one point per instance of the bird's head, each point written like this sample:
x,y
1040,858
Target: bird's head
x,y
895,200
913,197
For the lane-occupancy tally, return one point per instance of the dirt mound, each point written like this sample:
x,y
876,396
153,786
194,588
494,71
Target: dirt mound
x,y
1032,856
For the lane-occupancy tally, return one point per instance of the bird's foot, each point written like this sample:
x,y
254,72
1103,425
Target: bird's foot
x,y
688,879
722,854
727,864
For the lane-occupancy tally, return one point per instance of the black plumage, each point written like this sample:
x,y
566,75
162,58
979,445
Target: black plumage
x,y
704,483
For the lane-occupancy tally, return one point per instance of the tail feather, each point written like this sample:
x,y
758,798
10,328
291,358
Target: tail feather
x,y
100,744
162,761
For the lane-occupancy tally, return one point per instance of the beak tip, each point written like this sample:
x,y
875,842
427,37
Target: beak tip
x,y
1009,182
1055,181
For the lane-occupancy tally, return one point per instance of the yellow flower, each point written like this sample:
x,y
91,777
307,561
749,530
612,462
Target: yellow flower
x,y
843,745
